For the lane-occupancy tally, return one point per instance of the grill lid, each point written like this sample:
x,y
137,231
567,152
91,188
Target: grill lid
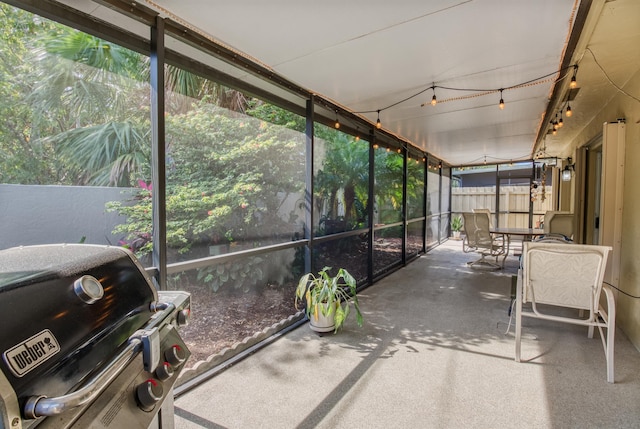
x,y
64,309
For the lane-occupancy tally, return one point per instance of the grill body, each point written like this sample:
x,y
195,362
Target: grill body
x,y
85,338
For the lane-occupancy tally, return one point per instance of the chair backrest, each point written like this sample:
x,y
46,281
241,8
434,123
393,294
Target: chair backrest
x,y
488,213
469,226
567,275
476,227
559,223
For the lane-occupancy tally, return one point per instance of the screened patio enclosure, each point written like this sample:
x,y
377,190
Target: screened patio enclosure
x,y
230,172
220,189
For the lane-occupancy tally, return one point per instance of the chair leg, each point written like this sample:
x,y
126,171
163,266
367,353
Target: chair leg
x,y
518,315
611,331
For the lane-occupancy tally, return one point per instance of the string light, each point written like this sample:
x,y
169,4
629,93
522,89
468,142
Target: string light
x,y
376,146
479,92
569,112
337,124
574,83
560,122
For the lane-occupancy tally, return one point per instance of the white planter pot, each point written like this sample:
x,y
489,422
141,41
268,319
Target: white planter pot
x,y
456,235
323,323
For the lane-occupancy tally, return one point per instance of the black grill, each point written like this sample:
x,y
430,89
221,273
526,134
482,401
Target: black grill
x,y
86,339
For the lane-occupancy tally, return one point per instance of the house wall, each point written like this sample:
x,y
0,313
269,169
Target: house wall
x,y
623,106
37,214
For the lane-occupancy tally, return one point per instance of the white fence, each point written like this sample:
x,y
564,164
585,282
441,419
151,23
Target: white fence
x,y
514,203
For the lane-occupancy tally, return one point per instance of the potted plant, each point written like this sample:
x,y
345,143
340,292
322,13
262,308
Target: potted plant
x,y
328,299
456,226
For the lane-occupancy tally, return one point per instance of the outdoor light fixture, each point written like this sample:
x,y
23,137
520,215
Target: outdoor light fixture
x,y
574,83
378,124
569,112
337,124
501,101
434,100
566,172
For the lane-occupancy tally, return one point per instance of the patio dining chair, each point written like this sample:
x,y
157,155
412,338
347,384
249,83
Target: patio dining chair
x,y
479,239
555,276
558,226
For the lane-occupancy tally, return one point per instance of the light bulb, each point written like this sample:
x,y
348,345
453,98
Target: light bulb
x,y
375,146
560,123
434,101
501,104
337,124
569,112
573,83
378,124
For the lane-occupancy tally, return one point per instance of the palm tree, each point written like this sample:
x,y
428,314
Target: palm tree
x,y
97,94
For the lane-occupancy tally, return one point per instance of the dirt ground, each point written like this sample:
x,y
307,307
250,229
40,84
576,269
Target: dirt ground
x,y
224,318
220,320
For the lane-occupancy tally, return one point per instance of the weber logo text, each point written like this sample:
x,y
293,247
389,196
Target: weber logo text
x,y
27,355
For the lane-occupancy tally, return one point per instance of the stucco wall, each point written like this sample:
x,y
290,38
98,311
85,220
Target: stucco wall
x,y
623,106
32,214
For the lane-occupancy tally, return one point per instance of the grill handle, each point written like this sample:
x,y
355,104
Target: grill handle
x,y
40,406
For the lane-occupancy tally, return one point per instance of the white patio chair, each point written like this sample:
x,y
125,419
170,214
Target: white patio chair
x,y
479,239
558,225
566,275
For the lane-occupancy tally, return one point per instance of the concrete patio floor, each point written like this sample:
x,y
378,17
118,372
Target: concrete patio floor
x,y
434,352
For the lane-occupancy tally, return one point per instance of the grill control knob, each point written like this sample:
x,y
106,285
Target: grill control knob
x,y
149,394
164,371
175,355
183,317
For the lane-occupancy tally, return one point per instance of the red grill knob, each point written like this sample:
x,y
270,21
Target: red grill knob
x,y
175,355
149,394
183,317
164,371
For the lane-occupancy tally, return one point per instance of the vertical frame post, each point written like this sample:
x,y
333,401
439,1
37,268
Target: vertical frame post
x,y
308,200
371,204
159,214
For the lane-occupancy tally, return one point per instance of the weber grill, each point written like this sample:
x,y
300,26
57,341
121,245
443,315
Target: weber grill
x,y
86,341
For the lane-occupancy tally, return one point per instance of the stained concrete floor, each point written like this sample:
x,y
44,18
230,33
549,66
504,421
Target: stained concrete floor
x,y
436,351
